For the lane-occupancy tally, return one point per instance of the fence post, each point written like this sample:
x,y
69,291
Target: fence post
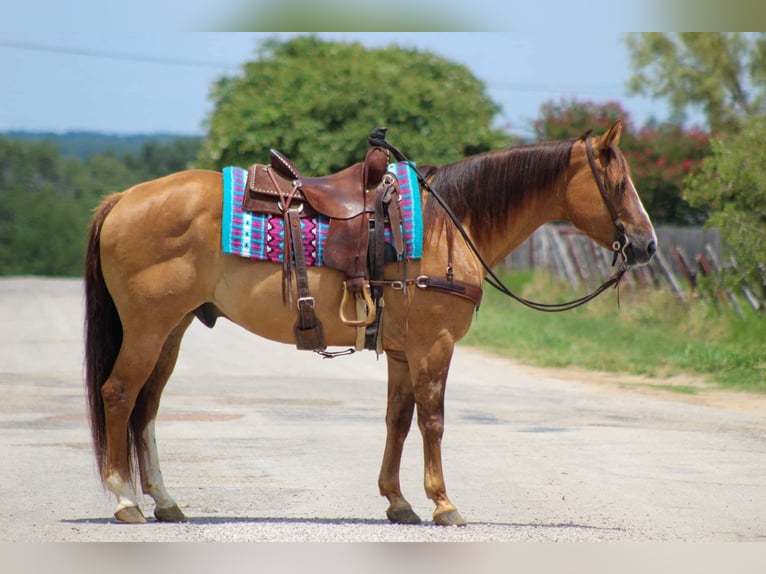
x,y
667,272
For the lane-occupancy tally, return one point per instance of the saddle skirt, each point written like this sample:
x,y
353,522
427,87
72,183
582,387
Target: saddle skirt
x,y
260,236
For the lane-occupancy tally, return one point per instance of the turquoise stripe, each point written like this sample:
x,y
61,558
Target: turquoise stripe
x,y
410,180
417,214
228,185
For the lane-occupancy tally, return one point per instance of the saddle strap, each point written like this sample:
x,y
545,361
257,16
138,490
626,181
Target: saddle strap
x,y
472,293
308,331
452,286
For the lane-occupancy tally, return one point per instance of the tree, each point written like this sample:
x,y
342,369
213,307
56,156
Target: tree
x,y
732,187
41,227
722,73
317,101
725,75
46,200
156,159
571,118
659,155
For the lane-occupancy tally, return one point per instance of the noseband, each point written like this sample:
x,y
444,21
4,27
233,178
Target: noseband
x,y
621,241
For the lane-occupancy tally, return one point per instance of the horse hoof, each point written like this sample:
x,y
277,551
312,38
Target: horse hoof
x,y
402,516
169,514
130,515
449,518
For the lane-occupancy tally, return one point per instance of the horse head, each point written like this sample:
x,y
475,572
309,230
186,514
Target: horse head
x,y
602,201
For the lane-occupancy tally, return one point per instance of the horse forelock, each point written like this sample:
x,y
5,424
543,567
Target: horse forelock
x,y
488,187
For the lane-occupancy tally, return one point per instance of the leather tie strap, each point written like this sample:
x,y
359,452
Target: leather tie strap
x,y
308,328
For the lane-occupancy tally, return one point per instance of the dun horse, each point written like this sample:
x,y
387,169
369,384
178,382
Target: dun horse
x,y
154,261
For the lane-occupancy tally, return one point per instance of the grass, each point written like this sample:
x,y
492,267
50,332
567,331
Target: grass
x,y
651,334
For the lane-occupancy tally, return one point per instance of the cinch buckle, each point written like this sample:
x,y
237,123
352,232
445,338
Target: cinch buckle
x,y
309,300
422,282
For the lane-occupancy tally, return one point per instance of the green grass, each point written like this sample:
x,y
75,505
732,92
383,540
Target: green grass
x,y
651,334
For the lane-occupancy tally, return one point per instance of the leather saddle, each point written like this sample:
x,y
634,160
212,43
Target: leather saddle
x,y
341,195
357,200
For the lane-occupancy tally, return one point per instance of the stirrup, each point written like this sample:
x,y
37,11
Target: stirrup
x,y
371,312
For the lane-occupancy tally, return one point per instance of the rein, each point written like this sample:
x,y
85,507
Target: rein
x,y
618,246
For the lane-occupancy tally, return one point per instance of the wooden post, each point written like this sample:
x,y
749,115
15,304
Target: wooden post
x,y
667,272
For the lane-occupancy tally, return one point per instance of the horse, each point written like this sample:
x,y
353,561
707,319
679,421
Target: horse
x,y
154,263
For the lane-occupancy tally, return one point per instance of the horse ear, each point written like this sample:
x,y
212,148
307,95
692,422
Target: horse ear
x,y
612,136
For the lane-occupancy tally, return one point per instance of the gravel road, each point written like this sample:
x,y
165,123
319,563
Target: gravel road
x,y
264,443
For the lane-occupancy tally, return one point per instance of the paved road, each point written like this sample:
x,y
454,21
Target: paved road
x,y
261,442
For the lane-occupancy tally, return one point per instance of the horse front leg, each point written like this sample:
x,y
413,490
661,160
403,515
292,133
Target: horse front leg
x,y
429,373
401,405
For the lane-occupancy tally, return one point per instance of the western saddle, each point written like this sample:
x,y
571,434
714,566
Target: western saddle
x,y
358,201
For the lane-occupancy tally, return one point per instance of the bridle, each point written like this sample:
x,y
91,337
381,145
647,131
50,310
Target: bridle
x,y
619,245
621,241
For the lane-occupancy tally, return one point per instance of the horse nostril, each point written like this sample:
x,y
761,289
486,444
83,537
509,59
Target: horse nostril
x,y
651,248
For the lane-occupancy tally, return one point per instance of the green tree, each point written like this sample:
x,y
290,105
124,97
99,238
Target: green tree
x,y
46,200
317,101
723,73
732,187
40,222
157,159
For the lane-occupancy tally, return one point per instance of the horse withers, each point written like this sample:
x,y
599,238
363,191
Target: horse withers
x,y
154,261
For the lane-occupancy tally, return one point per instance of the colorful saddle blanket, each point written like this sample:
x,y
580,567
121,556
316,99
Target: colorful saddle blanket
x,y
261,236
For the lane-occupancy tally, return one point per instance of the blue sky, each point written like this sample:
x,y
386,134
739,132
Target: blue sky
x,y
114,79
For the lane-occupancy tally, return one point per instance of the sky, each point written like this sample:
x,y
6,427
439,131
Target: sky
x,y
118,80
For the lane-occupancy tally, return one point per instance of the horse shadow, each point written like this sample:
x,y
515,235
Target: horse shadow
x,y
340,521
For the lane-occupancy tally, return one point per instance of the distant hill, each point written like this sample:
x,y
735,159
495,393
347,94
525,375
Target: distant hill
x,y
82,145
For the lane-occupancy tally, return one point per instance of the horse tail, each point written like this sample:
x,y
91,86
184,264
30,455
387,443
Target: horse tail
x,y
103,332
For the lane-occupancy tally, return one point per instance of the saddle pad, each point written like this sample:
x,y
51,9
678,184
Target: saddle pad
x,y
261,236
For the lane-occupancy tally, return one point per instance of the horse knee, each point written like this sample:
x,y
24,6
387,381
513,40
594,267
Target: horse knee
x,y
116,397
431,426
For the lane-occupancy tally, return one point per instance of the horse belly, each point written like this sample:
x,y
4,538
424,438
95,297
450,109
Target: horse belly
x,y
250,295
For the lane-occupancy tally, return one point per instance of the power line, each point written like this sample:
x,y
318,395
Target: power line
x,y
493,85
115,55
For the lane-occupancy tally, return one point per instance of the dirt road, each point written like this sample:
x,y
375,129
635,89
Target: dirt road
x,y
262,442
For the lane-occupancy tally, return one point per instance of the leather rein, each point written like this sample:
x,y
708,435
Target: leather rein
x,y
619,245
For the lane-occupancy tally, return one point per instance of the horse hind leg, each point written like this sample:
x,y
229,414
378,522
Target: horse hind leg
x,y
135,364
143,425
401,403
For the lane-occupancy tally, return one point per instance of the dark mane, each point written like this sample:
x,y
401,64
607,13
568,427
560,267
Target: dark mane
x,y
489,186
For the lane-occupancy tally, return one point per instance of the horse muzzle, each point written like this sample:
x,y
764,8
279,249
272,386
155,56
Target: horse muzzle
x,y
639,251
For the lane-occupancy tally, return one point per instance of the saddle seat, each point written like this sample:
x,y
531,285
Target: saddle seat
x,y
341,195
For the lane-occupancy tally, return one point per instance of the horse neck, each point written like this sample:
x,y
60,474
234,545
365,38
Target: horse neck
x,y
543,206
503,197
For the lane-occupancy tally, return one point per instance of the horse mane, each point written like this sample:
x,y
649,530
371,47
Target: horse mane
x,y
489,186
